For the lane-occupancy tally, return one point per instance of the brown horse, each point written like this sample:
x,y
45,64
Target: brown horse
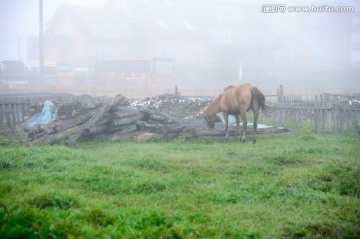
x,y
237,100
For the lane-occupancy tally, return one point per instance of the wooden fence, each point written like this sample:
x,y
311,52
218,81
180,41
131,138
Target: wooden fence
x,y
333,113
327,113
15,108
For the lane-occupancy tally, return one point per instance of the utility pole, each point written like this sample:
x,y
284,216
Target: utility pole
x,y
18,46
41,44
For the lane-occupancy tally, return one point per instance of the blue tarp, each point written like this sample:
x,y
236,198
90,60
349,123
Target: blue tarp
x,y
47,115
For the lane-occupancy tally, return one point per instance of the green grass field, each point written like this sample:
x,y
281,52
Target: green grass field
x,y
285,186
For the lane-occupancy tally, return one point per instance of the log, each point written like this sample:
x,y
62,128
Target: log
x,y
150,121
52,126
53,138
158,118
95,118
36,136
129,129
125,113
200,132
126,121
173,128
97,129
140,124
126,133
153,127
147,111
111,129
170,119
75,122
42,130
32,130
165,118
171,136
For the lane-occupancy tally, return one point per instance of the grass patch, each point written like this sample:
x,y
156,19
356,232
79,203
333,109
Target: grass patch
x,y
285,186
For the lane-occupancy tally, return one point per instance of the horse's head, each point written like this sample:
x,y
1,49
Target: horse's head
x,y
210,118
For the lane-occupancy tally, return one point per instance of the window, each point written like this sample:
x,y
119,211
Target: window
x,y
188,25
355,56
125,31
194,54
355,37
355,21
162,24
318,58
102,53
168,52
230,34
104,29
283,57
168,2
232,14
163,66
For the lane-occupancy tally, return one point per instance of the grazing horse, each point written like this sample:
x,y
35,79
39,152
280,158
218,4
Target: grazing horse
x,y
237,100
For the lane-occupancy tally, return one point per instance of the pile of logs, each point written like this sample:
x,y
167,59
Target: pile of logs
x,y
115,120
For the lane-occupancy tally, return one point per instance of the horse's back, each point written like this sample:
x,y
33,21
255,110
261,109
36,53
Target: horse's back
x,y
235,97
243,93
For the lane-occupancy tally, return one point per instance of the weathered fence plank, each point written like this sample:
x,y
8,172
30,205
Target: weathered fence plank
x,y
327,116
331,113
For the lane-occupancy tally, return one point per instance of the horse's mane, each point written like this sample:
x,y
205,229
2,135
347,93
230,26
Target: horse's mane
x,y
229,87
214,107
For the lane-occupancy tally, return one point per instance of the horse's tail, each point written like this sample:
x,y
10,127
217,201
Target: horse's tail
x,y
259,96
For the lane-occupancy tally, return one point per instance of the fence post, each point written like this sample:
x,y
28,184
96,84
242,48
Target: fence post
x,y
280,93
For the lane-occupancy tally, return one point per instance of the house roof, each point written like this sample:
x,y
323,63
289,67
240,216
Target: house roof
x,y
94,23
160,18
168,18
131,20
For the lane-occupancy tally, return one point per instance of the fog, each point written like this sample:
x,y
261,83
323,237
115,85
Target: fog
x,y
146,47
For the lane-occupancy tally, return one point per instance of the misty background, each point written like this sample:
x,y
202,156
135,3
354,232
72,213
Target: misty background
x,y
209,44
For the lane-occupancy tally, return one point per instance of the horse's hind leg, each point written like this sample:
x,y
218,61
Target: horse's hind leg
x,y
244,120
237,117
226,118
256,115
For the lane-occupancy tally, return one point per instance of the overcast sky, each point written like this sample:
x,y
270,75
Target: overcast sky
x,y
19,19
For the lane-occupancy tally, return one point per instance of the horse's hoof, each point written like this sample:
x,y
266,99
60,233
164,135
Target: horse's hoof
x,y
242,141
254,141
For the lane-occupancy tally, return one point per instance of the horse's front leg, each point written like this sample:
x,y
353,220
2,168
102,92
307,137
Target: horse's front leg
x,y
226,118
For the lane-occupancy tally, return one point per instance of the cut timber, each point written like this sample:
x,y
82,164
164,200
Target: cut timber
x,y
173,128
171,120
125,133
125,112
153,127
75,122
206,132
54,138
95,118
127,120
158,118
97,129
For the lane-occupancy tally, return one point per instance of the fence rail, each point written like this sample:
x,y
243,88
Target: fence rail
x,y
14,109
329,113
334,116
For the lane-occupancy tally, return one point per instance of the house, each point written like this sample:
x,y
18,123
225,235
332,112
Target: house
x,y
209,42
